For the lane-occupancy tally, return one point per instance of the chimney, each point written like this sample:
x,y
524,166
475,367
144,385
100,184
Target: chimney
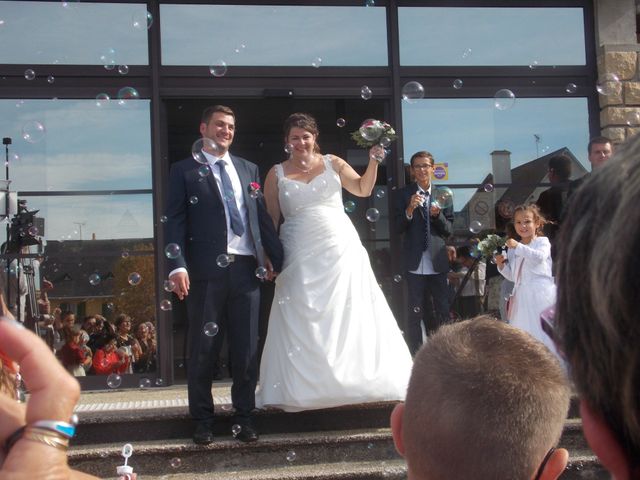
x,y
93,236
501,166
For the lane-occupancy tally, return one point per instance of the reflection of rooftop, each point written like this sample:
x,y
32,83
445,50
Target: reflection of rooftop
x,y
523,186
84,268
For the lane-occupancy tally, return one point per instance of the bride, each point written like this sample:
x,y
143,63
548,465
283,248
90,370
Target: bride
x,y
332,339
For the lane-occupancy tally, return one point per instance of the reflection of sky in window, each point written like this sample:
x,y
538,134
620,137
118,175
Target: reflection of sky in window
x,y
106,217
273,35
491,36
464,132
47,32
85,147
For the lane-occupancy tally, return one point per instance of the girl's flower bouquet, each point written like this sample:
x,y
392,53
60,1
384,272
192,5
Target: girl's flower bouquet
x,y
489,246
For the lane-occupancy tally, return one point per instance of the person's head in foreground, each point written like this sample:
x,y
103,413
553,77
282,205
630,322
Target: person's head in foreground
x,y
597,321
485,401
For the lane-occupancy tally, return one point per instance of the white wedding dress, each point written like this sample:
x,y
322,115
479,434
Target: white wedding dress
x,y
332,339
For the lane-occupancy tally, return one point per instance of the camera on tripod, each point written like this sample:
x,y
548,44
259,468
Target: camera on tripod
x,y
25,229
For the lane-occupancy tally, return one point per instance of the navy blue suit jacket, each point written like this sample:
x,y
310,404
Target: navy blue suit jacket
x,y
200,228
413,231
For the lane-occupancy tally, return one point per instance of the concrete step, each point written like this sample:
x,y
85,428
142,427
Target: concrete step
x,y
272,451
129,426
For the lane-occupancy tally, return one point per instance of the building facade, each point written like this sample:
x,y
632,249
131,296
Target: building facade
x,y
98,99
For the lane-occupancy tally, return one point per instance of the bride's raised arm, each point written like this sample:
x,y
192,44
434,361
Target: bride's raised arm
x,y
271,197
360,186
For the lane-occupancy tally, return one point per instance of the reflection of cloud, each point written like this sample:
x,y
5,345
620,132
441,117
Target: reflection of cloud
x,y
268,32
108,217
95,171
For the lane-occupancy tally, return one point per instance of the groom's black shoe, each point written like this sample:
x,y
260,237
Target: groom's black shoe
x,y
203,434
247,434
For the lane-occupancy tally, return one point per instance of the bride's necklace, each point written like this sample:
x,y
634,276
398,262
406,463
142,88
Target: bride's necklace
x,y
303,170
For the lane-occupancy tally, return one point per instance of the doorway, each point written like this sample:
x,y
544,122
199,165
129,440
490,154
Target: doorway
x,y
259,139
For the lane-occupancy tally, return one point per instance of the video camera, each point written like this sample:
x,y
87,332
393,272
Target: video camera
x,y
25,230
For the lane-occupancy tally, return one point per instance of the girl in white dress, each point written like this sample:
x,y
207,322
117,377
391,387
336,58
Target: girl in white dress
x,y
528,265
332,339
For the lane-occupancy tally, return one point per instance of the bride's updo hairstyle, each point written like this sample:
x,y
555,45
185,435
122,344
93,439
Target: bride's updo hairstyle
x,y
304,121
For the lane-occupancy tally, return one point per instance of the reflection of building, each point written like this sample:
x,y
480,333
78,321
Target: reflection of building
x,y
86,273
489,207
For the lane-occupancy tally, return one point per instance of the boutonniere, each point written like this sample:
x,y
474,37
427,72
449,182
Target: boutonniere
x,y
254,190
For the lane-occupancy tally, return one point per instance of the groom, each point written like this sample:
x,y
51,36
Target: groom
x,y
224,235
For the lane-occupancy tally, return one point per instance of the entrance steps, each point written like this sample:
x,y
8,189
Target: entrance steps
x,y
350,442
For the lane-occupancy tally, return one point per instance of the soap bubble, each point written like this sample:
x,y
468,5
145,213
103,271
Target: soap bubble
x,y
165,305
608,84
114,380
533,65
371,130
475,226
417,309
102,99
125,254
294,351
288,148
397,278
316,62
108,59
235,430
632,118
29,74
123,69
341,122
571,88
128,93
467,53
261,273
33,131
135,278
412,91
159,382
193,200
365,92
175,462
172,250
142,20
204,170
144,383
488,187
223,260
218,68
33,231
169,285
380,193
210,329
51,79
206,144
444,197
163,219
373,215
504,99
370,3
94,279
457,84
349,206
291,456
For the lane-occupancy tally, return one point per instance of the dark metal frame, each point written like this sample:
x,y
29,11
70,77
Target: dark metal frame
x,y
158,83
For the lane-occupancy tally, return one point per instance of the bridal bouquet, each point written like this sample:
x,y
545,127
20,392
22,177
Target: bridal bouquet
x,y
374,132
490,245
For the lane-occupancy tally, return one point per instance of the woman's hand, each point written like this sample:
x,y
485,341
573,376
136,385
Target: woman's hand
x,y
47,401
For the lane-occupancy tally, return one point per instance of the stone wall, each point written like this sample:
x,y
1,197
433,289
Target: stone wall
x,y
619,99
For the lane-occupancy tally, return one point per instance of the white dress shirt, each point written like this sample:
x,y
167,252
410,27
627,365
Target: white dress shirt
x,y
425,267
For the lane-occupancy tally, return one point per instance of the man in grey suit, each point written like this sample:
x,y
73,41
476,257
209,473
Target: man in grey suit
x,y
224,235
425,225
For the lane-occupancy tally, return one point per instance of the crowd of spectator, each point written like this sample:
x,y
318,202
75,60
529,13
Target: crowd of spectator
x,y
101,347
